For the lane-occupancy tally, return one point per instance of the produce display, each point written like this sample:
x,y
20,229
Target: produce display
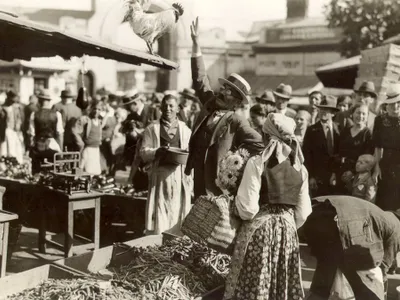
x,y
73,289
178,270
66,184
11,168
108,185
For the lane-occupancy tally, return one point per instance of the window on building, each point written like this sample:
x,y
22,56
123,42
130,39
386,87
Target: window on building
x,y
40,83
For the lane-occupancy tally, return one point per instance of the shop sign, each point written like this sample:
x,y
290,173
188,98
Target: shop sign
x,y
276,35
280,64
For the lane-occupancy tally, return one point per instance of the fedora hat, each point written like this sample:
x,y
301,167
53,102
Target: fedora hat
x,y
44,95
189,93
367,87
266,97
11,94
239,84
67,94
392,94
283,91
329,102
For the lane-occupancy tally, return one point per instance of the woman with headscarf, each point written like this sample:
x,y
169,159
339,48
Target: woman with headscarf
x,y
273,200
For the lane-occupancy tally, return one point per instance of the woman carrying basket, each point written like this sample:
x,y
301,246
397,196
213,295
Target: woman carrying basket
x,y
273,200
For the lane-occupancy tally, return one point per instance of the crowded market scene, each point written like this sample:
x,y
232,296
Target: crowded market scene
x,y
147,153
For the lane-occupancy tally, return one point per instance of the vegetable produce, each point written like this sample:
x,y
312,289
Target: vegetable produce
x,y
156,276
67,184
75,289
11,168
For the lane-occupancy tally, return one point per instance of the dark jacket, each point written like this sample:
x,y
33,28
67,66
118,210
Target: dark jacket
x,y
319,163
370,237
70,111
230,132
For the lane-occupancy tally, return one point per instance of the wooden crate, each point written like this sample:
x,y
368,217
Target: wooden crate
x,y
19,282
380,54
93,262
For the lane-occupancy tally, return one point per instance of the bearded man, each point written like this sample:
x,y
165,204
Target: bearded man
x,y
217,129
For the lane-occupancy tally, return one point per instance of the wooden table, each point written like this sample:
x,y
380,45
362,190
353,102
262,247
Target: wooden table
x,y
5,219
72,203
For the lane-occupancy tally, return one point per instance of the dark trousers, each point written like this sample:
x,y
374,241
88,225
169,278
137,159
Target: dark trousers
x,y
322,235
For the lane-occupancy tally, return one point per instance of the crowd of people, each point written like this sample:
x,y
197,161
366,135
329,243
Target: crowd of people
x,y
333,148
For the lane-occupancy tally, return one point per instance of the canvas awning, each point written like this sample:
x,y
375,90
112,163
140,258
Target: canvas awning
x,y
341,74
24,39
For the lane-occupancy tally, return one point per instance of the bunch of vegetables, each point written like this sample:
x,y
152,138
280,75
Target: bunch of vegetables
x,y
178,270
65,184
74,289
11,168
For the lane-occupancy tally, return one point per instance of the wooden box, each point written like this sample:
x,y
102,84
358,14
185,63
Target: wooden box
x,y
16,283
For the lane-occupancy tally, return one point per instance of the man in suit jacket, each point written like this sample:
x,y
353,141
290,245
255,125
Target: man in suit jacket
x,y
320,148
283,93
139,117
188,96
217,128
314,100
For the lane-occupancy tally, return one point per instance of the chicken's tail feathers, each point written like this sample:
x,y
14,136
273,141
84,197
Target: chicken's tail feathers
x,y
179,8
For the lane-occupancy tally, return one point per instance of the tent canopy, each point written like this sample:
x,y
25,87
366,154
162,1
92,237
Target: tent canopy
x,y
24,39
341,74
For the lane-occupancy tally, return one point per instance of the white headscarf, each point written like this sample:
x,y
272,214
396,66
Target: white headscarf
x,y
283,140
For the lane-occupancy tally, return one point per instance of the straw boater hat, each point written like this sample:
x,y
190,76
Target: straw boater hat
x,y
130,97
392,94
44,95
267,97
189,94
367,87
283,91
329,102
239,84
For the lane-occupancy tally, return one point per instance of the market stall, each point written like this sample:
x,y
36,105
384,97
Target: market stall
x,y
175,268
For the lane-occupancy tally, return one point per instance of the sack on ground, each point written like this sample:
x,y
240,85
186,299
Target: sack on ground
x,y
212,221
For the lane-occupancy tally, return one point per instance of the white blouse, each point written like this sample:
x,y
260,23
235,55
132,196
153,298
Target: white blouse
x,y
248,196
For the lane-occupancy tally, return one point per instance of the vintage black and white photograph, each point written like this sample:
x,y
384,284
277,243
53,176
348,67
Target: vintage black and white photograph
x,y
200,150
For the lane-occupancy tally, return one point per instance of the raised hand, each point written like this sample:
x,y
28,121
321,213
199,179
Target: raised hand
x,y
194,30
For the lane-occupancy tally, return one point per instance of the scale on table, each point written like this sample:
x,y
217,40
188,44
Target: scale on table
x,y
70,177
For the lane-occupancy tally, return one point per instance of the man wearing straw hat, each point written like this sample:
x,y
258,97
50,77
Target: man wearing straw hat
x,y
217,128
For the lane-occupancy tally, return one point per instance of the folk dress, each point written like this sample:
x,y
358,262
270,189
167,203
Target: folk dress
x,y
170,189
266,259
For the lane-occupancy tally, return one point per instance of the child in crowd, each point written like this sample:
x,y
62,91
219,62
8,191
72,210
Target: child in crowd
x,y
362,185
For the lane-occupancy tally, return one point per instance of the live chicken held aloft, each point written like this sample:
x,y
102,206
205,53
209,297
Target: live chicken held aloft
x,y
151,26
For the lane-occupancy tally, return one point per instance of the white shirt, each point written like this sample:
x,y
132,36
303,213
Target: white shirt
x,y
140,109
60,127
283,111
247,199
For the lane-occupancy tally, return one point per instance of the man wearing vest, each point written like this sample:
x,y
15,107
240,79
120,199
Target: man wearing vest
x,y
217,128
45,130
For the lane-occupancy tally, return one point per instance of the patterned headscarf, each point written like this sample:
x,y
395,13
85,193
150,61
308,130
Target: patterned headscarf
x,y
283,140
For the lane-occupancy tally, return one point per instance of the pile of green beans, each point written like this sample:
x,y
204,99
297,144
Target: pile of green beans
x,y
75,289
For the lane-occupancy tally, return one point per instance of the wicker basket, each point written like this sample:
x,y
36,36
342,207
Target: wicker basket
x,y
212,221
